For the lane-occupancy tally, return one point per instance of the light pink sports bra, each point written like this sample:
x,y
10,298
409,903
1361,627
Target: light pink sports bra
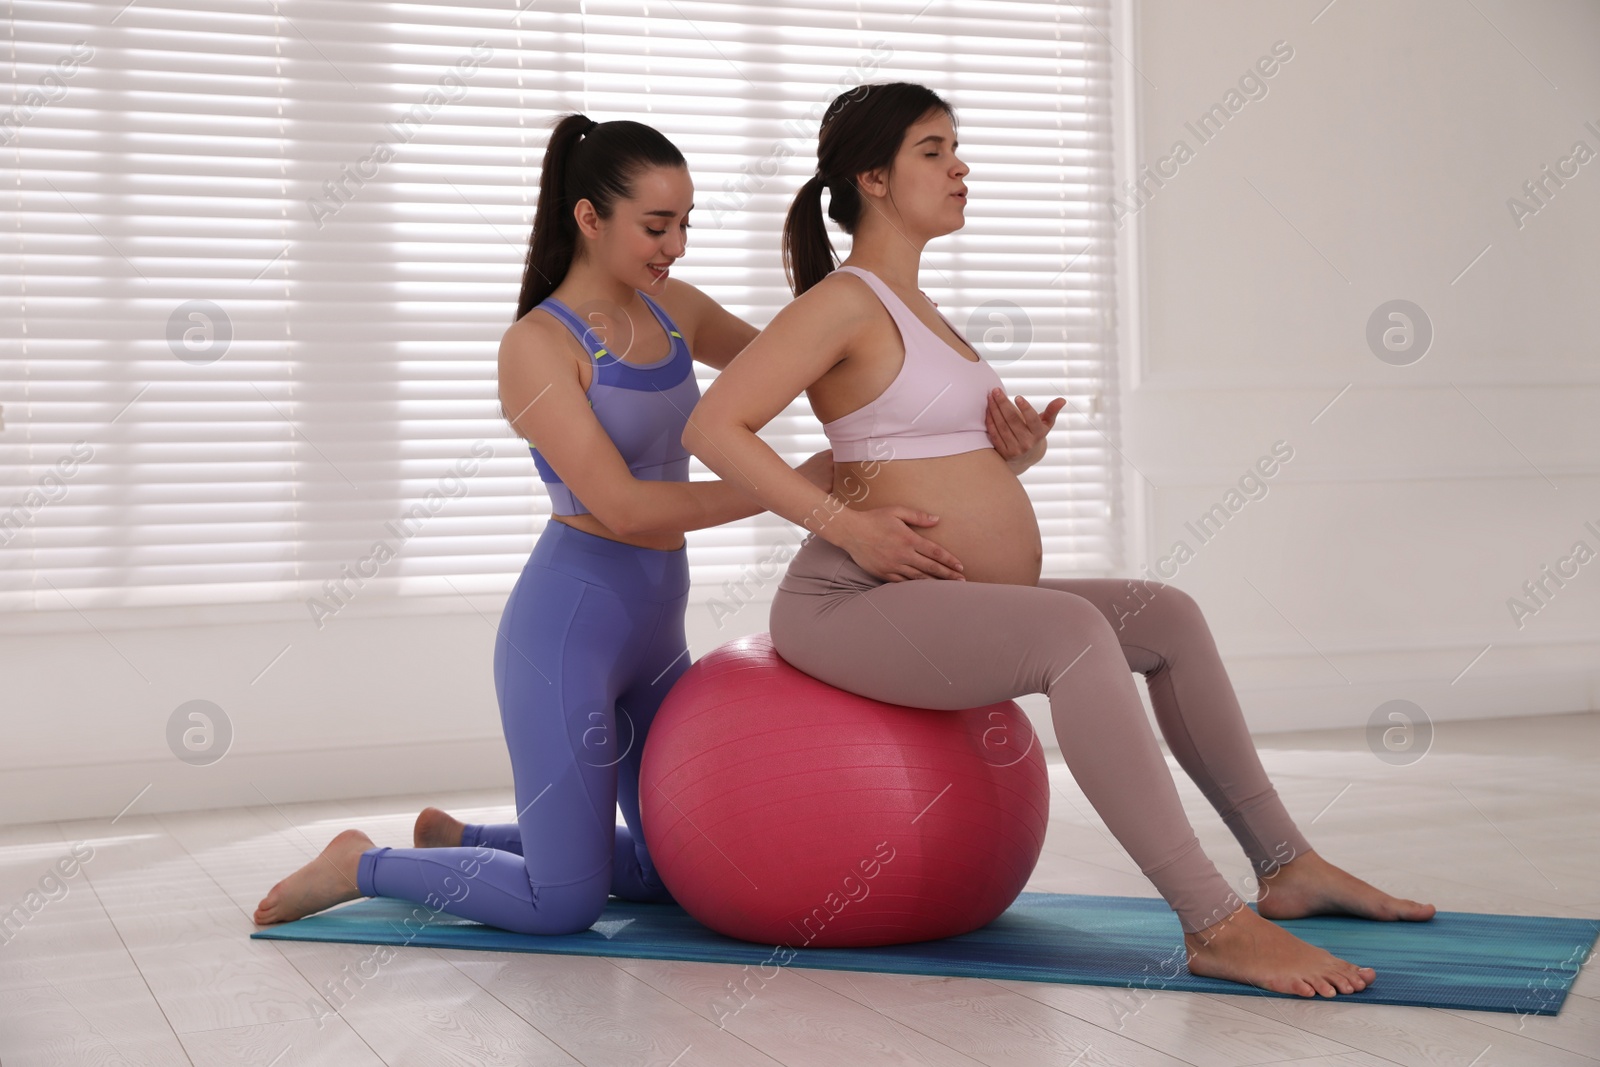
x,y
934,406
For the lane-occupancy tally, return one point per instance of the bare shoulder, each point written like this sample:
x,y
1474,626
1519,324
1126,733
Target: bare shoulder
x,y
538,336
843,293
536,329
536,353
841,303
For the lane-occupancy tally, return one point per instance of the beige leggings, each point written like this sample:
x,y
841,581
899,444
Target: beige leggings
x,y
946,645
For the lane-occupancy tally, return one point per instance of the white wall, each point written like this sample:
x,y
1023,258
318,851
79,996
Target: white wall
x,y
1377,566
1377,166
366,706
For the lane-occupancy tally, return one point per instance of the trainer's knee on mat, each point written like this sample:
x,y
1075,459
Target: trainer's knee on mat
x,y
560,914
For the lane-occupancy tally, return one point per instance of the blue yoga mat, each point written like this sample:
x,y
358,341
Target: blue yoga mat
x,y
1512,963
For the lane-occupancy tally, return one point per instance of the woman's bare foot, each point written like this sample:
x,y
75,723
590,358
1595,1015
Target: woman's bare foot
x,y
327,880
1246,948
437,829
1310,885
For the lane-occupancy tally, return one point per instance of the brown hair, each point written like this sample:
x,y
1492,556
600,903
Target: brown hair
x,y
585,160
861,130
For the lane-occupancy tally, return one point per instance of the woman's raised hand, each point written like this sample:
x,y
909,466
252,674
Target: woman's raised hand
x,y
1016,430
883,543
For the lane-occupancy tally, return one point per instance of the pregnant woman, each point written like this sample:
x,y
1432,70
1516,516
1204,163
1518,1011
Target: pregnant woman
x,y
596,374
931,596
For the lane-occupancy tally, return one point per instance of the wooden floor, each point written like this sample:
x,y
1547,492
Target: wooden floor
x,y
146,960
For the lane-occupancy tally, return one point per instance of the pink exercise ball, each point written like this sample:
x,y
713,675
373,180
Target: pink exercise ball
x,y
780,810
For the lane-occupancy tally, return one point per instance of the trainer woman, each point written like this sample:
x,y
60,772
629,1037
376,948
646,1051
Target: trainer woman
x,y
596,374
924,589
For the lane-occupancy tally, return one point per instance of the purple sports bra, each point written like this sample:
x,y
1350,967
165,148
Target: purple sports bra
x,y
935,405
643,406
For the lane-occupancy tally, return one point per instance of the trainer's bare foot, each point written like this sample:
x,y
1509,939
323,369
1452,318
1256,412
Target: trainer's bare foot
x,y
437,829
327,880
1246,948
1310,885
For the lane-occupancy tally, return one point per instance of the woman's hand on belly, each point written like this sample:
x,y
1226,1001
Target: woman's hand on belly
x,y
882,542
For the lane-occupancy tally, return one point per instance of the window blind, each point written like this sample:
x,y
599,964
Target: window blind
x,y
260,260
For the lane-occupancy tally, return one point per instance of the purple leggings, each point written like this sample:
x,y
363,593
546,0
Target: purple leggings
x,y
946,645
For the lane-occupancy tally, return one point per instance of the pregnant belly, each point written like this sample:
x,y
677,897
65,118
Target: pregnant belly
x,y
985,516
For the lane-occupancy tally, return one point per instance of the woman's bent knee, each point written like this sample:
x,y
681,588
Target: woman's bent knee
x,y
561,909
1170,606
1070,619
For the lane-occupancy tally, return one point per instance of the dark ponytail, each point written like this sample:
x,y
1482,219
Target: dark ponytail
x,y
862,129
808,255
585,160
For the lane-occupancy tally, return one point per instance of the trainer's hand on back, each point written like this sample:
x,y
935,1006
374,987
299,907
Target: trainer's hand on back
x,y
884,543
